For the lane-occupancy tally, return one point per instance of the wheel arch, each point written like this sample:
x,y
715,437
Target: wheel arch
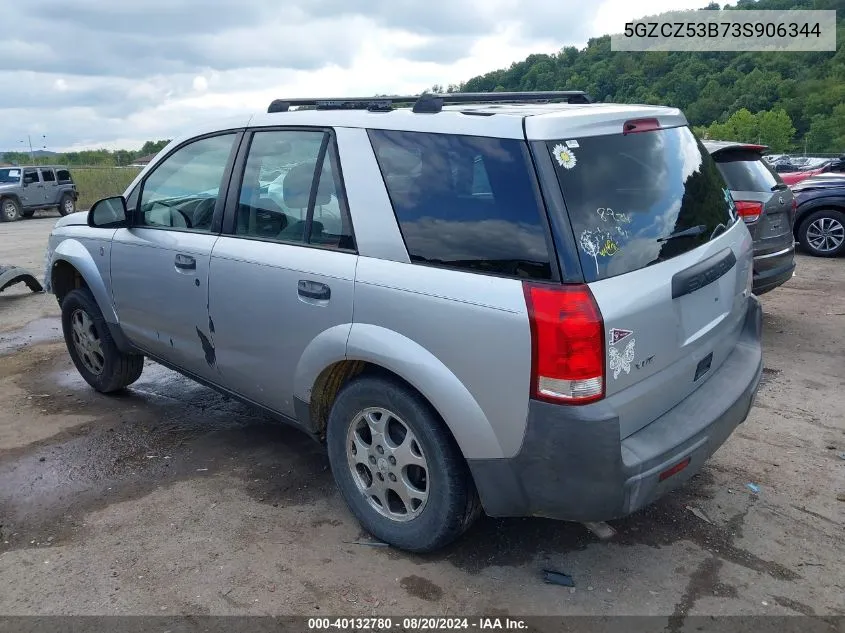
x,y
373,349
836,203
73,267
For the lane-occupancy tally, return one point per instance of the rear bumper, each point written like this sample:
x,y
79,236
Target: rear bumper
x,y
572,465
773,269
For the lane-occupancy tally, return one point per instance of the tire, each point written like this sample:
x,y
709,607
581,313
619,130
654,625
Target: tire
x,y
822,233
67,205
10,210
96,349
450,503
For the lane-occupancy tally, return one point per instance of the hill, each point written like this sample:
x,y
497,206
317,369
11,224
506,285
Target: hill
x,y
708,87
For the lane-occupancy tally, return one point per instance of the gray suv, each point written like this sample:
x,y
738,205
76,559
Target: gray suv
x,y
485,301
25,190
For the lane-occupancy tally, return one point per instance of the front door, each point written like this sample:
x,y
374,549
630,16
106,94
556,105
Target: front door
x,y
159,266
283,277
32,191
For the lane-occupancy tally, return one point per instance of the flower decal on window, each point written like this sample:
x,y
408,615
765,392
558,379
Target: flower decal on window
x,y
564,156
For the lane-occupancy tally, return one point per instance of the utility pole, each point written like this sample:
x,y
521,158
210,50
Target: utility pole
x,y
31,154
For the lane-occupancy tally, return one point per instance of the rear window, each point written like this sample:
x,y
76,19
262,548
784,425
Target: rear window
x,y
465,202
747,171
627,195
63,175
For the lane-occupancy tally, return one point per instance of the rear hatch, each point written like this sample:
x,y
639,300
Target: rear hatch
x,y
663,253
763,201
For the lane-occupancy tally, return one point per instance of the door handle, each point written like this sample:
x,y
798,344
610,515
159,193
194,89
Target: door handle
x,y
186,262
313,290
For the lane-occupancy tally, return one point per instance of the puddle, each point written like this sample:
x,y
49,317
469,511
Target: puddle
x,y
38,331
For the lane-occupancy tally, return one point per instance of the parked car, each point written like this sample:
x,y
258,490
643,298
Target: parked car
x,y
820,219
541,309
25,190
766,205
833,167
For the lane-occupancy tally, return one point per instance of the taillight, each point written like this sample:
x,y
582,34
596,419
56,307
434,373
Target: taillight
x,y
749,211
567,343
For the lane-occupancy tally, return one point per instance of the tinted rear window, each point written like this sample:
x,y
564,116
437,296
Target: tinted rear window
x,y
63,175
747,171
465,202
626,194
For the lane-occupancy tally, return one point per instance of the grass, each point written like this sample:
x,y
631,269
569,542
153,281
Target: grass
x,y
95,183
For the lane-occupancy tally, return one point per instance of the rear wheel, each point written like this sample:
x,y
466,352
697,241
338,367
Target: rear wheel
x,y
67,205
823,233
397,467
91,347
10,210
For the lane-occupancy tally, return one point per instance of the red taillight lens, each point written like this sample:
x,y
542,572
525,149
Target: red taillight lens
x,y
567,341
749,211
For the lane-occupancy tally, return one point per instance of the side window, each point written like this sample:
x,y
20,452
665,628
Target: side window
x,y
48,175
30,176
465,202
63,175
275,195
182,191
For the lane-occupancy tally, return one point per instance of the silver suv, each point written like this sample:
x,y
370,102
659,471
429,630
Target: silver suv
x,y
507,303
25,190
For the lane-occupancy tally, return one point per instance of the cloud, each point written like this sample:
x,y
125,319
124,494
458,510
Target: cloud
x,y
95,72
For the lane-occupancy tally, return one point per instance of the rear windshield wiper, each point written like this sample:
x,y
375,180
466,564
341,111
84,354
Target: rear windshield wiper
x,y
780,186
693,231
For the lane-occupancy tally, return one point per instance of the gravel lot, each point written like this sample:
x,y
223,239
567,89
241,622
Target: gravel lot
x,y
170,499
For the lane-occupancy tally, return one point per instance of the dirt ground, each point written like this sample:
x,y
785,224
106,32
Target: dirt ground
x,y
170,499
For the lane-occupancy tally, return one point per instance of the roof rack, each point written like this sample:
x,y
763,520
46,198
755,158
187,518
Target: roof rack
x,y
429,103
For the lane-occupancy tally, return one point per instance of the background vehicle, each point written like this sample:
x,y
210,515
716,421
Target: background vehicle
x,y
25,190
543,309
833,167
820,219
766,205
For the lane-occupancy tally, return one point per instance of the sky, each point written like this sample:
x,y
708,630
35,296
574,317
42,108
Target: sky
x,y
114,73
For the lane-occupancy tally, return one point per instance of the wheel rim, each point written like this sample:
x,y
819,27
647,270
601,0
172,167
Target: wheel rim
x,y
10,210
87,342
68,206
825,234
387,464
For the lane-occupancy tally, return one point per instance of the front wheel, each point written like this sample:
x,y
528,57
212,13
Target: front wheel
x,y
67,205
397,467
10,210
91,347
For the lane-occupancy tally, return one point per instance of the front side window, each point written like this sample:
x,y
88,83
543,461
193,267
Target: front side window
x,y
48,175
182,192
291,192
465,202
30,176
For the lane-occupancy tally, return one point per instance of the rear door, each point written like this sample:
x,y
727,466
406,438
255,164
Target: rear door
x,y
51,187
283,272
662,251
762,199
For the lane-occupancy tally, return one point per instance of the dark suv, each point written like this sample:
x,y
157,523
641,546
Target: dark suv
x,y
766,205
25,190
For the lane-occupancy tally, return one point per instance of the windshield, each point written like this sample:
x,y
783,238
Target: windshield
x,y
746,171
629,196
8,176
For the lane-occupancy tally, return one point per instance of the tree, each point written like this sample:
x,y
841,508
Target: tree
x,y
775,129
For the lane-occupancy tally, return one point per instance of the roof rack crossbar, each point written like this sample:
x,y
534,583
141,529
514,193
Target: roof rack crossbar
x,y
429,102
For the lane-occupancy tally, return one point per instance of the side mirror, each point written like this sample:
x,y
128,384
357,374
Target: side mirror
x,y
109,213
